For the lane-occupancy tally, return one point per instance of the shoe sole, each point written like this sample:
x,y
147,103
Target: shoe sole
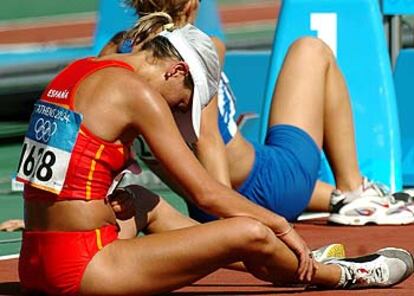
x,y
401,254
332,251
359,221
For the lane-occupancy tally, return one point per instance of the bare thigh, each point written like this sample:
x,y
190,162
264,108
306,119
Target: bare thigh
x,y
165,261
299,96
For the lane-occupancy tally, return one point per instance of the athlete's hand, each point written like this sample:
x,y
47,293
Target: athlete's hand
x,y
12,225
307,265
123,204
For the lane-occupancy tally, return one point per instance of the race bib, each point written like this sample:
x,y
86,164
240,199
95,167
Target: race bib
x,y
47,147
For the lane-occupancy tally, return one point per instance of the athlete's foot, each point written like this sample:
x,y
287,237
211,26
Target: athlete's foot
x,y
369,204
384,268
329,252
366,189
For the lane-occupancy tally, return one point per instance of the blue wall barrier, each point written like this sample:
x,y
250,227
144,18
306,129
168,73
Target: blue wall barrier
x,y
208,19
398,7
247,72
354,30
113,17
403,77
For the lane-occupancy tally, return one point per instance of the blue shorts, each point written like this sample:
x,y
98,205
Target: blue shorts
x,y
284,173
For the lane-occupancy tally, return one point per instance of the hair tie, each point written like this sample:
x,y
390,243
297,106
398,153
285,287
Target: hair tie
x,y
126,46
168,27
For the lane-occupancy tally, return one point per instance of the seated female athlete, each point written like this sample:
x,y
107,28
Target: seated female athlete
x,y
79,139
310,110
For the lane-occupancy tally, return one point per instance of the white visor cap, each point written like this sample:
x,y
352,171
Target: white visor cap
x,y
199,52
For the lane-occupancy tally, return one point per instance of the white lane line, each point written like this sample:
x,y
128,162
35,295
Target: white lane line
x,y
9,257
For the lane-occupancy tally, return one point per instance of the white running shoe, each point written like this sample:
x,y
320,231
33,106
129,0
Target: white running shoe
x,y
384,268
328,252
369,204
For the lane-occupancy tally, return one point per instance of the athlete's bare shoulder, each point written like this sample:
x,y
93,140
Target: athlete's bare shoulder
x,y
119,85
129,92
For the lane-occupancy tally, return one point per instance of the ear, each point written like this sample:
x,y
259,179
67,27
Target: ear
x,y
177,69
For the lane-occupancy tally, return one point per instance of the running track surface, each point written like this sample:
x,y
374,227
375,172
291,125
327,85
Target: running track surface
x,y
358,240
81,30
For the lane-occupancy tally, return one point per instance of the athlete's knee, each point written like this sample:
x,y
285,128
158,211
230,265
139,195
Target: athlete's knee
x,y
313,50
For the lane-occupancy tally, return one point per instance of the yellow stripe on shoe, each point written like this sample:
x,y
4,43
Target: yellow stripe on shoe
x,y
327,252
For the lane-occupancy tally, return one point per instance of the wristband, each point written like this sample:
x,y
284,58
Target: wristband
x,y
285,232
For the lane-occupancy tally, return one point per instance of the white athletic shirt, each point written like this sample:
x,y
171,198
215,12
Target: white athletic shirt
x,y
227,110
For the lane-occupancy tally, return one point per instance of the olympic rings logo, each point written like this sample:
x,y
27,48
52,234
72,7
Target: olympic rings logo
x,y
44,129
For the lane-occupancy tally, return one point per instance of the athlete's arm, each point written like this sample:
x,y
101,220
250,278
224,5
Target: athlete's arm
x,y
148,113
156,167
220,47
209,148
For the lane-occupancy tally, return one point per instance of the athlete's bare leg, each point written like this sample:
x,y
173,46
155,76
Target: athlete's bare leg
x,y
311,94
321,197
168,260
153,214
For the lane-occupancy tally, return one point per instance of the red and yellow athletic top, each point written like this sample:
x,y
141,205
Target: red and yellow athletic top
x,y
93,162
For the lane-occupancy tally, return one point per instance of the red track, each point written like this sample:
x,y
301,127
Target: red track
x,y
357,240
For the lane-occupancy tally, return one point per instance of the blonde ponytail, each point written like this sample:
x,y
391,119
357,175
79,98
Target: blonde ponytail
x,y
174,8
148,26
